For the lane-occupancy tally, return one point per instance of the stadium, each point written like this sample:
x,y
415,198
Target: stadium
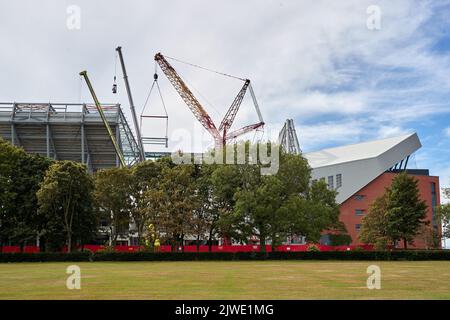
x,y
358,172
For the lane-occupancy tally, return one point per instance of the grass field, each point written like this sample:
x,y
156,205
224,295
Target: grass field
x,y
227,280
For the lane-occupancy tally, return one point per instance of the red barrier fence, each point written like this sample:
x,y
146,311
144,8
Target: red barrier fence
x,y
225,248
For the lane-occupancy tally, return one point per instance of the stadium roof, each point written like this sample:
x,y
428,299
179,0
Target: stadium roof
x,y
358,164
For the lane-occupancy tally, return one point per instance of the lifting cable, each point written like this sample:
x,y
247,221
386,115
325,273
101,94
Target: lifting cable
x,y
166,116
206,69
114,86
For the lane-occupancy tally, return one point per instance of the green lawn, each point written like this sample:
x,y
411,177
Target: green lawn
x,y
227,280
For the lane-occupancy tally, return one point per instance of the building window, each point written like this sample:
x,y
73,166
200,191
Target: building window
x,y
359,197
338,180
359,212
331,182
357,227
433,203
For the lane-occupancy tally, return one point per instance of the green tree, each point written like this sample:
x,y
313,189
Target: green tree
x,y
145,177
20,176
113,197
406,212
263,211
65,201
374,224
173,203
311,215
444,214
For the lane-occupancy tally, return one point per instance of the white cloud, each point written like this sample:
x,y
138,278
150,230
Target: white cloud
x,y
447,131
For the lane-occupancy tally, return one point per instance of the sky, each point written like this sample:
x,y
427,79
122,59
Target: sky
x,y
318,62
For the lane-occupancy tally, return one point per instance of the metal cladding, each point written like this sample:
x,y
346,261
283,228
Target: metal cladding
x,y
67,131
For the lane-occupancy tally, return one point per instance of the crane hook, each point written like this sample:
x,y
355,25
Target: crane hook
x,y
114,87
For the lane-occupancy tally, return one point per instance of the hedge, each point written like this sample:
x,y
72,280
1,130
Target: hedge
x,y
409,255
45,257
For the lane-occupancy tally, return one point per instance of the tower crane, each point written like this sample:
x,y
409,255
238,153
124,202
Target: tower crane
x,y
220,135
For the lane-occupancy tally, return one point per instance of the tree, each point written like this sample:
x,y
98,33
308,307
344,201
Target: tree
x,y
406,212
65,201
145,177
309,216
113,190
444,214
374,224
264,212
20,176
174,202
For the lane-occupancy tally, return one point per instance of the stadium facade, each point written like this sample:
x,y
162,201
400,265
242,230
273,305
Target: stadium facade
x,y
361,172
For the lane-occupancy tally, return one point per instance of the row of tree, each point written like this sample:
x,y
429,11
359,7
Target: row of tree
x,y
59,203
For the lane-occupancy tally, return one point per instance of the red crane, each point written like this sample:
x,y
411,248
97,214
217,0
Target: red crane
x,y
220,135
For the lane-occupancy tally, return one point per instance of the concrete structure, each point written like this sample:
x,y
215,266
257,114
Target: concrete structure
x,y
361,172
68,132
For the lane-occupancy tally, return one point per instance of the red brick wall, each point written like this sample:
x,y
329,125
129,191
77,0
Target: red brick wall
x,y
375,189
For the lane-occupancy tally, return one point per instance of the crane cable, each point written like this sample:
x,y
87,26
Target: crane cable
x,y
155,81
114,87
206,69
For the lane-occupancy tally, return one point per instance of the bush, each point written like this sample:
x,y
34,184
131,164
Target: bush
x,y
313,247
45,257
411,255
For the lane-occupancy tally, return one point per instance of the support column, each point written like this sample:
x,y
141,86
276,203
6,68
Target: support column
x,y
48,139
82,143
13,134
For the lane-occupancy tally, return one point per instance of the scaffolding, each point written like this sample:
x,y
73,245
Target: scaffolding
x,y
69,131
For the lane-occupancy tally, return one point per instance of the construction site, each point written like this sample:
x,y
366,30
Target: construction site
x,y
100,136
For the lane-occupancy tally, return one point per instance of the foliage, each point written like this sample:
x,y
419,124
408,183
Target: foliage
x,y
406,212
20,176
113,190
66,204
398,214
374,225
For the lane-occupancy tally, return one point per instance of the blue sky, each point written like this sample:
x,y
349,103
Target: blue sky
x,y
313,61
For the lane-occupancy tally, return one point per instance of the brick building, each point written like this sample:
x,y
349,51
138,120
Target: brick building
x,y
361,172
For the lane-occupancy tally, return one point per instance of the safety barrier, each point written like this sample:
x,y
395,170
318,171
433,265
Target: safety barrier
x,y
203,248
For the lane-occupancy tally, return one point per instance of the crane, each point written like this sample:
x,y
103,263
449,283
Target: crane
x,y
221,134
130,99
105,121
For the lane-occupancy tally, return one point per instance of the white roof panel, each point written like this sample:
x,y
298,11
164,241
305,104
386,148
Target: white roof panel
x,y
353,152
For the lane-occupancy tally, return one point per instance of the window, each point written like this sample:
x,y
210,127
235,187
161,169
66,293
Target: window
x,y
357,227
434,204
339,180
359,197
331,182
359,212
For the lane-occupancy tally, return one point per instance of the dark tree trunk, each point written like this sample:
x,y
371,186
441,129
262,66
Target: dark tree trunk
x,y
198,243
405,244
210,241
262,243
